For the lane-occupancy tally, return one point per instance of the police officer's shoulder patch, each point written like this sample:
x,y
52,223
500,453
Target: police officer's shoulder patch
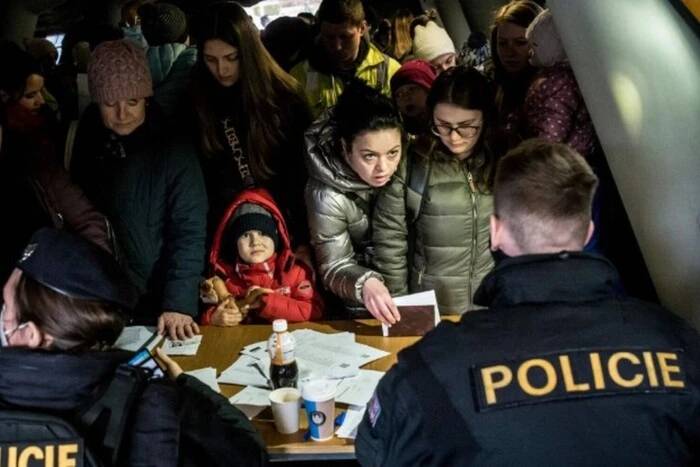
x,y
55,453
374,408
579,373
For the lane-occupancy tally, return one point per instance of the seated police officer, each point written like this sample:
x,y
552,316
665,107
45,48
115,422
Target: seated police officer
x,y
559,370
64,305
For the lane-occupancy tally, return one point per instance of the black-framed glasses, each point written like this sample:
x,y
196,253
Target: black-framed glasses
x,y
465,131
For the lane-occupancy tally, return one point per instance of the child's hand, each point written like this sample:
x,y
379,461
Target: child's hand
x,y
253,297
227,314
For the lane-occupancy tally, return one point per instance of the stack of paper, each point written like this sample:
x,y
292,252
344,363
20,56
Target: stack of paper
x,y
186,347
247,371
358,390
322,355
207,376
135,337
251,401
352,420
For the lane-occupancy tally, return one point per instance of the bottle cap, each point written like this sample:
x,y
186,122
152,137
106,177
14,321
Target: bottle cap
x,y
279,325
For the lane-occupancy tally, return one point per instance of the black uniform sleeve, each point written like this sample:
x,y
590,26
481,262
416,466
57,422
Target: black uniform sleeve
x,y
214,432
391,431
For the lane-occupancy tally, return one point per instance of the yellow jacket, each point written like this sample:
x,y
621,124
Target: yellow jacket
x,y
322,90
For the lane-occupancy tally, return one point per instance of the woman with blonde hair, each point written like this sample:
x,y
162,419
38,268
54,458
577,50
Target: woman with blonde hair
x,y
250,117
401,42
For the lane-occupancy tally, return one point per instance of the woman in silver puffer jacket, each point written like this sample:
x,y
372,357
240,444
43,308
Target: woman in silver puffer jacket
x,y
353,150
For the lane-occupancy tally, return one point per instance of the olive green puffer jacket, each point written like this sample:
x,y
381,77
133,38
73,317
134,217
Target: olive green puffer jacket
x,y
339,229
451,234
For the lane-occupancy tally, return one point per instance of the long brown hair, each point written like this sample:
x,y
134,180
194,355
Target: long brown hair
x,y
401,41
466,88
75,325
267,92
520,13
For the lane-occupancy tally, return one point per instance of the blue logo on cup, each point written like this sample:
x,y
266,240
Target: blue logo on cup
x,y
318,418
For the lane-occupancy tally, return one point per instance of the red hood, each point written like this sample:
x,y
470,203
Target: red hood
x,y
261,197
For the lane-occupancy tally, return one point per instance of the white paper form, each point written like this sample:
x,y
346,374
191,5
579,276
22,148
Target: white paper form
x,y
416,299
133,338
251,401
186,347
324,349
353,418
252,396
358,390
246,371
207,376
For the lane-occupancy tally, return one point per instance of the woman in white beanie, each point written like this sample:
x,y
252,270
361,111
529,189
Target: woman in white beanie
x,y
432,44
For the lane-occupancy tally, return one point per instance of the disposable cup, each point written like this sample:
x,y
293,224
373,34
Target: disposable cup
x,y
319,401
285,404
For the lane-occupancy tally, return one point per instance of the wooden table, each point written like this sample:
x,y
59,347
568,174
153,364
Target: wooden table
x,y
220,347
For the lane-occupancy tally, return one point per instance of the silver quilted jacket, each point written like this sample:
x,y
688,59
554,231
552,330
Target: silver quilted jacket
x,y
339,229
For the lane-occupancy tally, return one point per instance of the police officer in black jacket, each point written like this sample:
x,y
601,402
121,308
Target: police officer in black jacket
x,y
560,370
64,305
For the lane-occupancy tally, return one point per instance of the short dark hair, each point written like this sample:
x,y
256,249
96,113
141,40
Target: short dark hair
x,y
341,12
543,192
362,108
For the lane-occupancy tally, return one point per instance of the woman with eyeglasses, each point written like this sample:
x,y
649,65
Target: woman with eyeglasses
x,y
435,234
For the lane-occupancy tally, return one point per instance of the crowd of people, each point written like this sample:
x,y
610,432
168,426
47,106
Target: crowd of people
x,y
320,179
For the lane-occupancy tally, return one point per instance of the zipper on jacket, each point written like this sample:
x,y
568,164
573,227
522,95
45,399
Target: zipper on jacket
x,y
420,275
475,227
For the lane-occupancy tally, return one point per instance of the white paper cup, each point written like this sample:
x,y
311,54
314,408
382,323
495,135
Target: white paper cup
x,y
319,401
285,404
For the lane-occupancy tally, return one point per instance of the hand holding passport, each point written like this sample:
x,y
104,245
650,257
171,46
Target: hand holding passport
x,y
419,314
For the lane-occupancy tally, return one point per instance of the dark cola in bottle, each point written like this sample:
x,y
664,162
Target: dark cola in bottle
x,y
284,372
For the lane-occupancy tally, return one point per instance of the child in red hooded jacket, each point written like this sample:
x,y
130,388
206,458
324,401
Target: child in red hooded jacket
x,y
251,253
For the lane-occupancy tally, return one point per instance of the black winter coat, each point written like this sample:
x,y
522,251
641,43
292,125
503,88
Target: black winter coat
x,y
174,423
559,371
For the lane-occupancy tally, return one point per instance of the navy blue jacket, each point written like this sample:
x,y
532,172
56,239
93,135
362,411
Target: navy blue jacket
x,y
559,371
152,190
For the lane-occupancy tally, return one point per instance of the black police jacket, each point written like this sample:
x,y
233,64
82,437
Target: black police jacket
x,y
559,371
174,423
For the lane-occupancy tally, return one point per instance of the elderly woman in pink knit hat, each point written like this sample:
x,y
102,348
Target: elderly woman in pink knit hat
x,y
150,186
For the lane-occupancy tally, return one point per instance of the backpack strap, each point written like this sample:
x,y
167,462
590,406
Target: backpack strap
x,y
111,410
417,178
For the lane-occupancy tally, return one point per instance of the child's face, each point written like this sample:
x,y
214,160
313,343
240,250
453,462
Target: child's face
x,y
254,247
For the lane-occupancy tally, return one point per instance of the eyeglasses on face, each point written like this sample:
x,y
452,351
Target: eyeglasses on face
x,y
465,131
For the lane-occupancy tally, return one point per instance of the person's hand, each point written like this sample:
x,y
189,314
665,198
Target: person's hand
x,y
254,295
171,367
378,301
179,326
227,314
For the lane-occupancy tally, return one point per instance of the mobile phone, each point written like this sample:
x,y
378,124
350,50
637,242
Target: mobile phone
x,y
144,360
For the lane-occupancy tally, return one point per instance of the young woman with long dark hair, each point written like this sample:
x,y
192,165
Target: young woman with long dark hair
x,y
442,241
250,118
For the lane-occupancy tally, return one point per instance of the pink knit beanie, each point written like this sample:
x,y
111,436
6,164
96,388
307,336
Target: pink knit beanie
x,y
418,72
118,71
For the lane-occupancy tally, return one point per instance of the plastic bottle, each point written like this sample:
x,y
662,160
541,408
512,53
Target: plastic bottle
x,y
283,366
